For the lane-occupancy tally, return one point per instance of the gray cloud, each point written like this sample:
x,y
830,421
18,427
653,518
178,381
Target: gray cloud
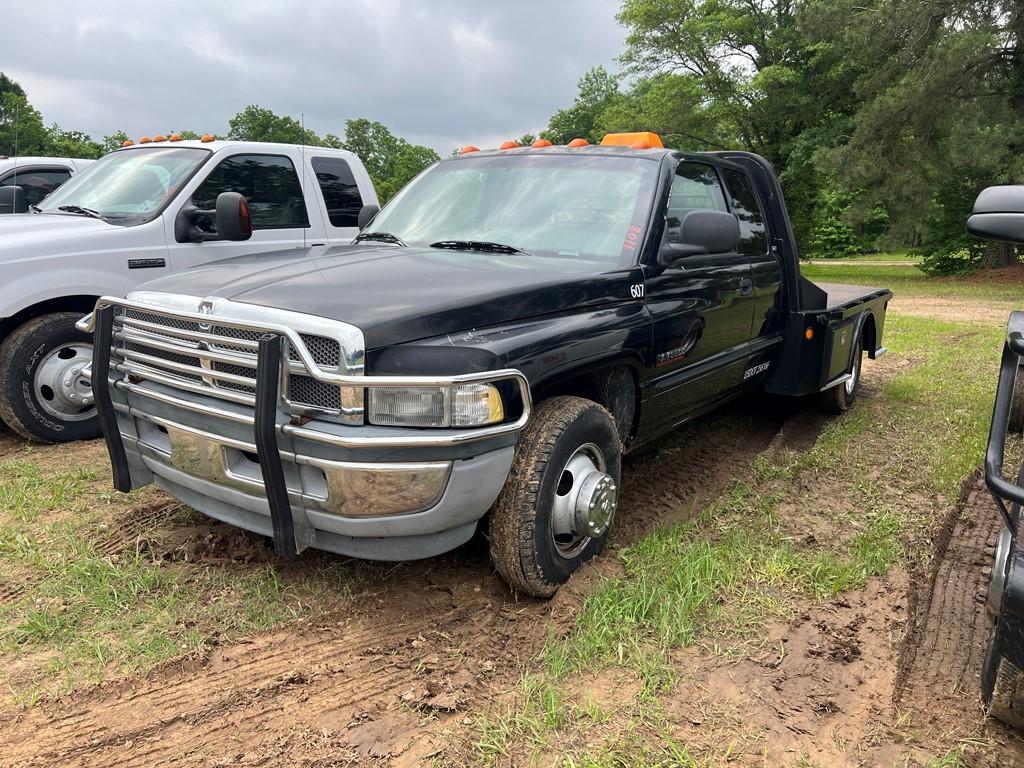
x,y
442,73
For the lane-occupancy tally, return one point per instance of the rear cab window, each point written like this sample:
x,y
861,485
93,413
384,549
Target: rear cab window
x,y
744,203
268,182
340,190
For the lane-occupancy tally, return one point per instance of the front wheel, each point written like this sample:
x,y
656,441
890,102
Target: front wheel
x,y
44,394
558,503
839,398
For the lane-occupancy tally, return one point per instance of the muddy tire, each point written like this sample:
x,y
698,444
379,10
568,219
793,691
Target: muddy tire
x,y
559,501
42,395
839,398
1016,420
1002,685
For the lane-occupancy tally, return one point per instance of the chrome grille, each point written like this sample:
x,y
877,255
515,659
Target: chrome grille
x,y
163,348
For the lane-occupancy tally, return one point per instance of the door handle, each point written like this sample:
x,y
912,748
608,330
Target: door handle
x,y
746,286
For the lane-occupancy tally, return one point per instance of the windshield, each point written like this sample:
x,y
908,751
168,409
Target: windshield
x,y
570,206
126,187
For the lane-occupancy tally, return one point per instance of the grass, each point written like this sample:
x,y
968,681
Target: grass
x,y
908,280
83,615
717,579
893,256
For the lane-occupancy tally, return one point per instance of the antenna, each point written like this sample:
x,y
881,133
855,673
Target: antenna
x,y
17,120
302,176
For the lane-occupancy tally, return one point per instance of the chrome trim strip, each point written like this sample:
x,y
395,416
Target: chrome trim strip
x,y
189,386
841,379
149,361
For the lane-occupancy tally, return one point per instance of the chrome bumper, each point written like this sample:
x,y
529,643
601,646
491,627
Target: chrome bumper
x,y
298,489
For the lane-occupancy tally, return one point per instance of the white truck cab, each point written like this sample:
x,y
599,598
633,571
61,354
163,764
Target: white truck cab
x,y
136,214
38,176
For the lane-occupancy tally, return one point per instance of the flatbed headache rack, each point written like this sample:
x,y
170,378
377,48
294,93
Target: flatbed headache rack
x,y
291,532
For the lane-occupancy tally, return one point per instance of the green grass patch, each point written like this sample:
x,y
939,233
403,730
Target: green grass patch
x,y
909,280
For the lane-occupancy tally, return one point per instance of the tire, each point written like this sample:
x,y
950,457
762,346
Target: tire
x,y
1002,685
40,385
530,545
839,398
1016,420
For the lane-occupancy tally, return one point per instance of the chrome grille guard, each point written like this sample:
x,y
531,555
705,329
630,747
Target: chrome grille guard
x,y
271,359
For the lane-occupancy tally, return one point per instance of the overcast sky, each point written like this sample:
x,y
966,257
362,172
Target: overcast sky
x,y
438,72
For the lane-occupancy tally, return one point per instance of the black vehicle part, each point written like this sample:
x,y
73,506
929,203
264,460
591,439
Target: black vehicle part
x,y
268,375
12,199
36,359
840,397
527,547
1002,678
1015,422
1003,490
102,339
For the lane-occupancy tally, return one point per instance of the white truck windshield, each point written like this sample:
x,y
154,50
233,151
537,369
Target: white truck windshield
x,y
127,186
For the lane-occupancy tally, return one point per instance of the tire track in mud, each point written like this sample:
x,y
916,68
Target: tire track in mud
x,y
938,678
424,642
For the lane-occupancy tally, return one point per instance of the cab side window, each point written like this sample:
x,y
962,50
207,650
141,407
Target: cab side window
x,y
269,183
38,183
340,191
695,187
753,234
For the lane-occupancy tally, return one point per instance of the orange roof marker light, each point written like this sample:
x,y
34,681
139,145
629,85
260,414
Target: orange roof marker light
x,y
175,137
509,145
145,140
468,148
638,140
159,138
575,143
127,143
541,143
207,138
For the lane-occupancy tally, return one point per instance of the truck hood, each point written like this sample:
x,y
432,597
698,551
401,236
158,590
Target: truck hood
x,y
46,232
396,294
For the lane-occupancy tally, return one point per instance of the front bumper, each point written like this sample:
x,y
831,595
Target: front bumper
x,y
375,492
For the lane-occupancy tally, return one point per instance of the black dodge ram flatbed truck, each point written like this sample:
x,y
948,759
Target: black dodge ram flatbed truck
x,y
487,348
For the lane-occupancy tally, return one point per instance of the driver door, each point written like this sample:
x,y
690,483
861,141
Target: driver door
x,y
270,183
701,310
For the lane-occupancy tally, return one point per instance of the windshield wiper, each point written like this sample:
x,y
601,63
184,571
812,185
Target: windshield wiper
x,y
477,245
382,237
80,211
35,208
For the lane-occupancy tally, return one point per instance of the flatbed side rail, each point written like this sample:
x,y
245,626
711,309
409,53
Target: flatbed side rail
x,y
1003,490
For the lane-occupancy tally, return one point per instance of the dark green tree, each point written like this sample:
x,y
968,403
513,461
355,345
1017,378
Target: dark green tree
x,y
256,123
598,90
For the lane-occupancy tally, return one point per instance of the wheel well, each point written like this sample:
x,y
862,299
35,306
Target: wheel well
x,y
83,304
613,386
868,335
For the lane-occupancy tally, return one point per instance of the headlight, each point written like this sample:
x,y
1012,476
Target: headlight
x,y
463,405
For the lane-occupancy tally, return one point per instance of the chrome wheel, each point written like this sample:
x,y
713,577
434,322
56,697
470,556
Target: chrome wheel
x,y
60,386
585,501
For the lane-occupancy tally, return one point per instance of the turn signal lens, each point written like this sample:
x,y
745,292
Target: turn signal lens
x,y
474,405
809,333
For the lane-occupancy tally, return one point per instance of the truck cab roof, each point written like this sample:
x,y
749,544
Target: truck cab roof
x,y
223,145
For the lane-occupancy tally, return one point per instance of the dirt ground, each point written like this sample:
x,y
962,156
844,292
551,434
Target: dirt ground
x,y
873,677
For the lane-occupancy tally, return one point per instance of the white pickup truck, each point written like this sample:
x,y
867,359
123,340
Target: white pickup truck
x,y
138,213
38,176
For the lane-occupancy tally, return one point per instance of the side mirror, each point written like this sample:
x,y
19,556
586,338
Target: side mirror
x,y
231,214
702,232
233,219
999,214
366,214
12,199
